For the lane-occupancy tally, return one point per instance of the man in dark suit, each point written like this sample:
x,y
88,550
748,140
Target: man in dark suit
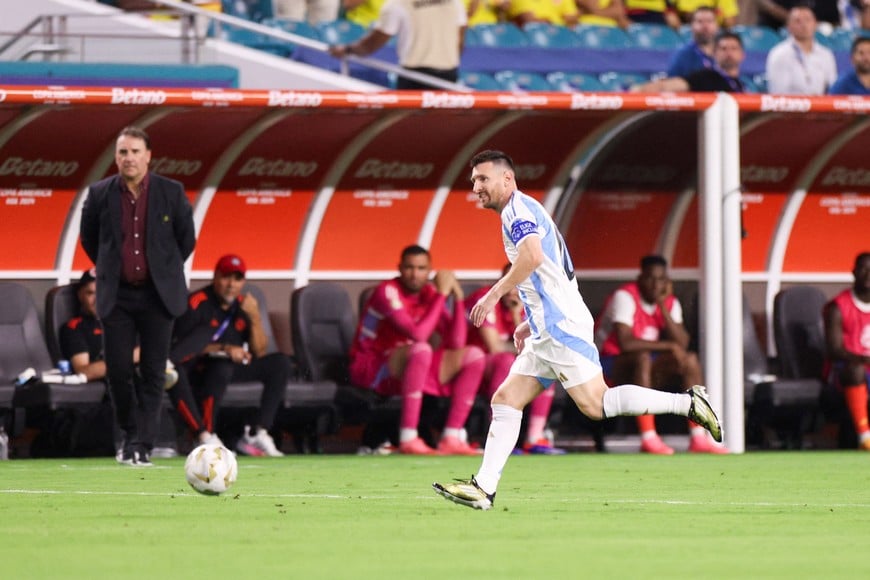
x,y
137,227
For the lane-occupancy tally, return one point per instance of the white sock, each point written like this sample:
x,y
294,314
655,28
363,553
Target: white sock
x,y
697,431
452,432
632,400
406,434
500,442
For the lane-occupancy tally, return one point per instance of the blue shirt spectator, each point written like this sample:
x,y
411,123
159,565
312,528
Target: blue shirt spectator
x,y
857,80
697,54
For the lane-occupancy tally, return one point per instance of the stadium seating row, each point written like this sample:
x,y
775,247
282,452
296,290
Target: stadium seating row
x,y
509,80
539,35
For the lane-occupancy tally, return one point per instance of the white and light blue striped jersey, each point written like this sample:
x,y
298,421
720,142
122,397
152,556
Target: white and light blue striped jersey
x,y
550,295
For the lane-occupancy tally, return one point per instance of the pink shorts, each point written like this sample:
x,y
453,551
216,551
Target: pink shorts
x,y
371,372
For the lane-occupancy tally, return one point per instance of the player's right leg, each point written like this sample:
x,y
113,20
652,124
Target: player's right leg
x,y
596,401
507,414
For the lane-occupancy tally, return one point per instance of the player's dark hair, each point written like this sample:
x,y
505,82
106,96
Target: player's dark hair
x,y
414,250
653,260
863,255
857,42
728,34
701,9
499,157
804,5
136,133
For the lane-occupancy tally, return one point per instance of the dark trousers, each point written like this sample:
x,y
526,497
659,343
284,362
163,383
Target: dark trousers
x,y
273,370
203,382
138,314
406,84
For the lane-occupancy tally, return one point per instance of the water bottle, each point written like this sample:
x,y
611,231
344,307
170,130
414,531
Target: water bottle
x,y
4,444
64,367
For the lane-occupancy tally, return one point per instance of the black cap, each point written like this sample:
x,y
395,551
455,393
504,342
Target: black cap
x,y
88,275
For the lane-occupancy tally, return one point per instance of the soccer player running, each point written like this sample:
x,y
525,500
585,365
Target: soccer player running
x,y
555,342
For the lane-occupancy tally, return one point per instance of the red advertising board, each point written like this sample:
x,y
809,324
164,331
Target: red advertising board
x,y
386,193
760,215
32,221
612,231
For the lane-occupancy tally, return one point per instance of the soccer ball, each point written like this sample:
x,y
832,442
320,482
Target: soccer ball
x,y
211,469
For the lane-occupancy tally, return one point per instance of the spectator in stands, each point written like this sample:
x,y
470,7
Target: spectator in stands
x,y
603,13
775,13
140,286
652,12
486,11
220,339
725,11
496,337
642,340
312,11
697,54
558,12
799,65
430,36
363,12
847,328
857,80
862,18
728,55
392,353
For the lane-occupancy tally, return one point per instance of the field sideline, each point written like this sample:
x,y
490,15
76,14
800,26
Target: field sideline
x,y
583,515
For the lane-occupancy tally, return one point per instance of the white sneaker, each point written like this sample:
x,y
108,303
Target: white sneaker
x,y
261,441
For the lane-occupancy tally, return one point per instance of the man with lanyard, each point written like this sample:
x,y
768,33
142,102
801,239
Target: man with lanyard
x,y
723,76
220,339
799,65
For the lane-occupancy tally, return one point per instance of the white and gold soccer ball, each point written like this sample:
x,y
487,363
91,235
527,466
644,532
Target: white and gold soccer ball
x,y
211,469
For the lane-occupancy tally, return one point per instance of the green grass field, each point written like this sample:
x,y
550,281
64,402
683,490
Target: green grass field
x,y
760,515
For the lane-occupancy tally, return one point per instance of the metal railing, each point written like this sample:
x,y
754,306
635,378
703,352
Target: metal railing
x,y
49,36
53,40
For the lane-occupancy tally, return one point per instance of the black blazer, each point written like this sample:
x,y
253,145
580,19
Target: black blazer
x,y
169,239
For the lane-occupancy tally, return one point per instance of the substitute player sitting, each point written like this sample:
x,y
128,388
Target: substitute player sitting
x,y
642,340
392,353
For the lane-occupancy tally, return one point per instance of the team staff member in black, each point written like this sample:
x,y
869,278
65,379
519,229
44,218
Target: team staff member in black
x,y
137,227
220,339
724,76
81,337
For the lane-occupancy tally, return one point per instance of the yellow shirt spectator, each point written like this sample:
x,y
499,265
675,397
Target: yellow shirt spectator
x,y
603,13
561,12
485,12
364,13
651,5
726,10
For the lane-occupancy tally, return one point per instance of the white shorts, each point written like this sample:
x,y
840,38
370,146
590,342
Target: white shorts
x,y
550,360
